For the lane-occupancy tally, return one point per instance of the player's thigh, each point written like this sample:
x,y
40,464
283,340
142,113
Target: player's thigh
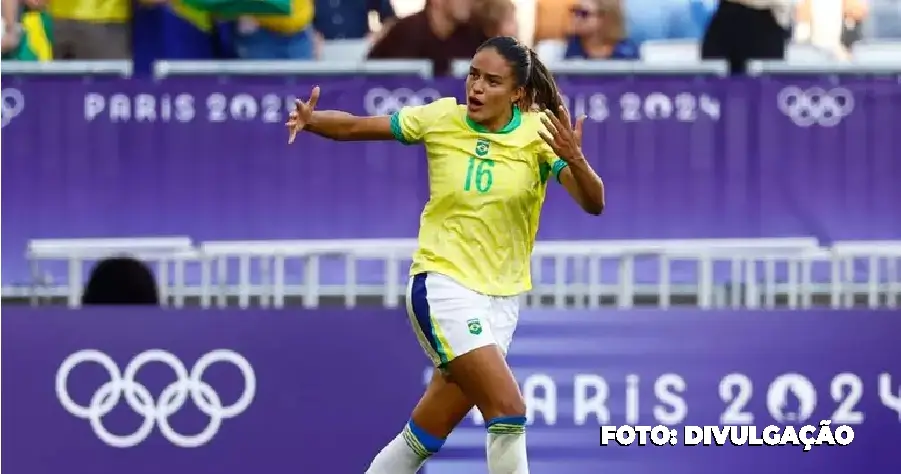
x,y
449,319
483,374
442,407
485,378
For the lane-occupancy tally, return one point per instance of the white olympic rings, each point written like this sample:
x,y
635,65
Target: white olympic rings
x,y
13,103
139,398
381,101
815,106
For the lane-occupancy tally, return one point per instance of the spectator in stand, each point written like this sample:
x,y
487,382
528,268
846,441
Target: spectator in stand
x,y
644,19
599,32
662,20
171,30
12,28
833,25
552,19
741,30
349,19
498,17
701,13
91,29
278,37
27,33
121,281
441,32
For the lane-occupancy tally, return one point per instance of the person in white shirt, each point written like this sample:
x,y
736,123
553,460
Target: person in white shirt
x,y
741,30
831,25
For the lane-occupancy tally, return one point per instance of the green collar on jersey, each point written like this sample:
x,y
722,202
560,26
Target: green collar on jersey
x,y
513,124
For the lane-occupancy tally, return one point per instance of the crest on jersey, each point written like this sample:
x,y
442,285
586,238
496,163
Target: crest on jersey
x,y
544,170
482,146
475,326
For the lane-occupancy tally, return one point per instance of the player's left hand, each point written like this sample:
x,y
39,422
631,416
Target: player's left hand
x,y
562,136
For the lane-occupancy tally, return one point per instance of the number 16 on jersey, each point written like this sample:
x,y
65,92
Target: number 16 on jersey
x,y
479,175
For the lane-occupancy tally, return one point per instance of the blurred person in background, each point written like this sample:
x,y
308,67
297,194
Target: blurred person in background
x,y
173,30
278,37
742,30
885,20
498,17
701,13
121,281
91,29
27,31
553,20
644,19
648,20
349,19
441,32
832,25
599,32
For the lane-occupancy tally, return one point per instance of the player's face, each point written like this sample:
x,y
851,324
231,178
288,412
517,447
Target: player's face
x,y
491,89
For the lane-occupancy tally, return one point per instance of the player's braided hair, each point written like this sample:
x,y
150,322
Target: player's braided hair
x,y
540,87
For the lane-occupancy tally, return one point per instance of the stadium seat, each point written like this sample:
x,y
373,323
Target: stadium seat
x,y
345,49
877,51
551,50
884,21
671,51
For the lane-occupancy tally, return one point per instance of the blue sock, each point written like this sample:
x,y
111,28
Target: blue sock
x,y
507,425
422,443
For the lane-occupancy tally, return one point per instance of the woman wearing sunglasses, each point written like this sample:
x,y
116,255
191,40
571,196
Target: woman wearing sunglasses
x,y
599,32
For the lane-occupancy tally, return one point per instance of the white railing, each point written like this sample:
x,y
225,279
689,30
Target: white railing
x,y
717,273
76,252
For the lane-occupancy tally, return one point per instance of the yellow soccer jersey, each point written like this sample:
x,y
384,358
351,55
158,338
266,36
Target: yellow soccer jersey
x,y
486,192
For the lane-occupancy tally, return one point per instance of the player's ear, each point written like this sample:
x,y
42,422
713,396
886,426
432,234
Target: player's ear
x,y
518,95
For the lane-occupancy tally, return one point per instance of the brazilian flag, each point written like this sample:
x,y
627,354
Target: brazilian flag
x,y
173,31
37,38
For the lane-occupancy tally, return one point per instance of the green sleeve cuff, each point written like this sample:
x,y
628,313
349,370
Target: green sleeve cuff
x,y
557,168
397,130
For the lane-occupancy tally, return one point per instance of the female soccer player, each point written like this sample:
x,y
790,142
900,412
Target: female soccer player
x,y
489,162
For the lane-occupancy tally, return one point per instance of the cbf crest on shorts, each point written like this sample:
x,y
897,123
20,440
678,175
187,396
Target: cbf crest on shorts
x,y
482,146
475,326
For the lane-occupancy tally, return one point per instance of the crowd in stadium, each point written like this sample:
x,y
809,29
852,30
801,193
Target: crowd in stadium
x,y
147,30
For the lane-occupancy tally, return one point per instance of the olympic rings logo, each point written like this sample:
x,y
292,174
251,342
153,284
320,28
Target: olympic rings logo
x,y
13,105
140,400
380,101
815,106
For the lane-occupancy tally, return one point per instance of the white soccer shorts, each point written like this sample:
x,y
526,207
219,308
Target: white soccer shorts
x,y
450,320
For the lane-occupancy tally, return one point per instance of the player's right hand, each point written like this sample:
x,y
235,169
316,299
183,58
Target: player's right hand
x,y
302,115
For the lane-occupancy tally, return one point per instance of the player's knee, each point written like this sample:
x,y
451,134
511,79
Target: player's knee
x,y
506,407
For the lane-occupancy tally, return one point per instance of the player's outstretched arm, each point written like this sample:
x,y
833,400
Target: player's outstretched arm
x,y
334,124
338,125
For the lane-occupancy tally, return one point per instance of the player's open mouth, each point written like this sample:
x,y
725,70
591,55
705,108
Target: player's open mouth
x,y
473,103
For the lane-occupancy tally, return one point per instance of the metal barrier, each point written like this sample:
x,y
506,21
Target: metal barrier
x,y
749,273
75,252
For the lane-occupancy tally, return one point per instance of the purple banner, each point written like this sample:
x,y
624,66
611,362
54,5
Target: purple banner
x,y
149,391
207,157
